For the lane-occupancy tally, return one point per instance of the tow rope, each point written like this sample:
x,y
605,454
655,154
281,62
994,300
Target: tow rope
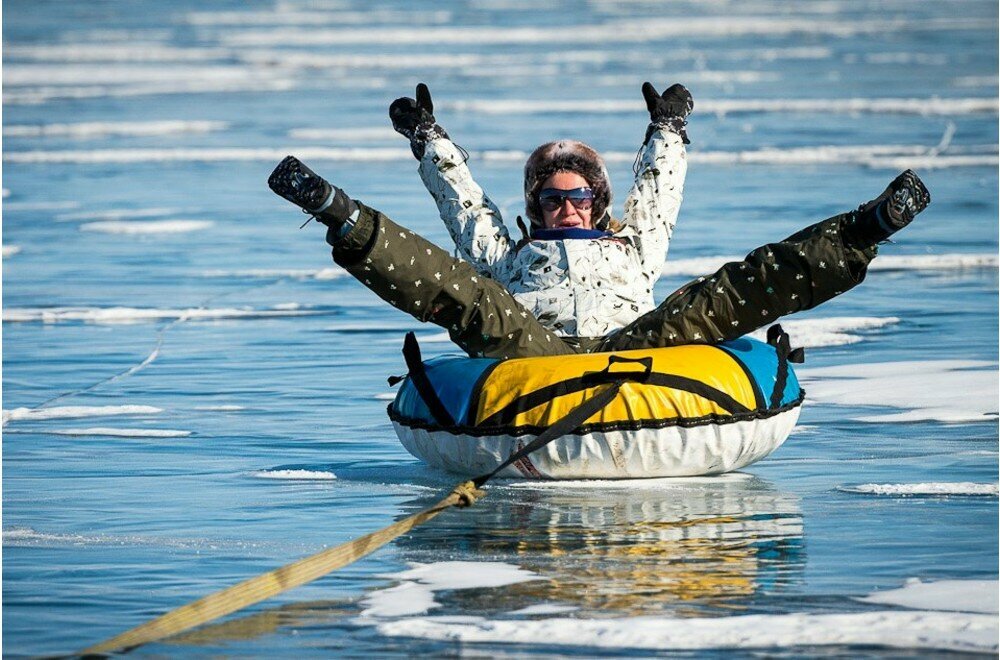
x,y
272,583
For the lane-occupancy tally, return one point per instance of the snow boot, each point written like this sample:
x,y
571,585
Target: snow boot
x,y
309,191
895,208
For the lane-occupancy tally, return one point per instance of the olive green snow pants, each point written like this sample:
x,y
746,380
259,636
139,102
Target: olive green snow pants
x,y
482,317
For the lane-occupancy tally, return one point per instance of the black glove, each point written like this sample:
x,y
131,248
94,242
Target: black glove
x,y
414,119
668,110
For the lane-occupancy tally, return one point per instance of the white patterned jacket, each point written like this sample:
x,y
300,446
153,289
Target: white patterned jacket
x,y
576,287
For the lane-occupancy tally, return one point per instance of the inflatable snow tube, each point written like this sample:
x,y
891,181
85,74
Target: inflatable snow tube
x,y
681,411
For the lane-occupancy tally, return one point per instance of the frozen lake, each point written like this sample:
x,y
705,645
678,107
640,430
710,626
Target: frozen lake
x,y
194,394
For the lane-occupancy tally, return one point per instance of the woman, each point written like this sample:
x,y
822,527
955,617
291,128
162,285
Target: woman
x,y
582,281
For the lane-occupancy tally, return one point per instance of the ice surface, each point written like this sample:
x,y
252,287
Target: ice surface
x,y
148,227
544,608
704,265
115,315
299,475
941,390
611,32
69,412
947,107
947,595
123,433
97,129
415,594
116,214
911,630
834,331
874,156
948,488
221,408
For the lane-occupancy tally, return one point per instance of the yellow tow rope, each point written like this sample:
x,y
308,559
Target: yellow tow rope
x,y
287,577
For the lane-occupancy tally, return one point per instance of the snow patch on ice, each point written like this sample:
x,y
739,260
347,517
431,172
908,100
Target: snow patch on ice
x,y
126,315
611,32
909,630
933,390
384,396
980,596
344,134
698,266
322,274
295,475
544,608
874,156
122,433
69,412
904,490
834,331
10,250
115,214
97,129
415,593
148,227
947,107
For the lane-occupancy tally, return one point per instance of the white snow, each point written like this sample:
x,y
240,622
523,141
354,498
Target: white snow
x,y
384,396
909,630
833,331
947,107
544,608
10,250
123,433
941,390
96,129
345,134
415,593
118,315
874,156
611,32
68,412
695,267
944,595
115,214
946,488
147,227
295,475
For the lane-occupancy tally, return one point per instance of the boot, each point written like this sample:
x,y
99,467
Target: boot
x,y
895,208
301,186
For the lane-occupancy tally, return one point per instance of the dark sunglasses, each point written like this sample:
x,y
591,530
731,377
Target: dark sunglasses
x,y
552,199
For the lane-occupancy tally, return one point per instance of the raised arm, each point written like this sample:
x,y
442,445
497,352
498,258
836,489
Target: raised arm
x,y
652,205
472,219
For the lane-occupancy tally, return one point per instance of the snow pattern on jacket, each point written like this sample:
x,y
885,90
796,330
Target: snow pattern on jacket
x,y
576,287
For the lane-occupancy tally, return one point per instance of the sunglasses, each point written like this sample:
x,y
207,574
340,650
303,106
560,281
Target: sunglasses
x,y
552,199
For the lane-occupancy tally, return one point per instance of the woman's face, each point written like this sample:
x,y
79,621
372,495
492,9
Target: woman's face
x,y
567,214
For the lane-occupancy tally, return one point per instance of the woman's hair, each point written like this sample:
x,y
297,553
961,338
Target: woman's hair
x,y
568,156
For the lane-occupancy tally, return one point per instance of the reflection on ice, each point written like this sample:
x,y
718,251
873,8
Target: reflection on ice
x,y
627,547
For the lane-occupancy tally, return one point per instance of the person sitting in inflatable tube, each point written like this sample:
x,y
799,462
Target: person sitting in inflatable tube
x,y
582,281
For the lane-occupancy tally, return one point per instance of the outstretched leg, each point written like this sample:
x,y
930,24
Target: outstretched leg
x,y
416,276
804,270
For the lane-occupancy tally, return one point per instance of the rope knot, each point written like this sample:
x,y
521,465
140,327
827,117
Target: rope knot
x,y
467,494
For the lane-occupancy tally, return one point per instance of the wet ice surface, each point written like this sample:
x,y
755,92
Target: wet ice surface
x,y
193,394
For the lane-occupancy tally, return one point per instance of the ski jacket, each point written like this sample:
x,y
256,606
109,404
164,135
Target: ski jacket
x,y
574,287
